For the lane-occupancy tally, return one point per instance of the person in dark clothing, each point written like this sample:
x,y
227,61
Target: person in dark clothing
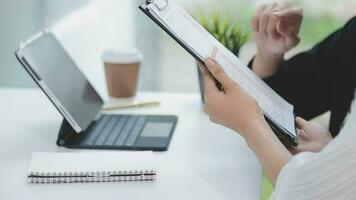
x,y
319,80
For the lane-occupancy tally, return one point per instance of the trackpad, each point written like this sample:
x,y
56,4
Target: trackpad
x,y
157,129
155,134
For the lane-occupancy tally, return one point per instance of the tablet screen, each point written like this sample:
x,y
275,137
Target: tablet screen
x,y
67,83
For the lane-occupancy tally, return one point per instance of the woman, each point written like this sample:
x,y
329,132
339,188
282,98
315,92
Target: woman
x,y
329,174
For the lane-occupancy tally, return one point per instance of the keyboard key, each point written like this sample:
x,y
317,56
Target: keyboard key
x,y
96,130
116,131
126,131
106,131
135,132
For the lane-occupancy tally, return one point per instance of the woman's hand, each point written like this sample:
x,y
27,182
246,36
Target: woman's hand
x,y
312,137
276,28
232,108
235,109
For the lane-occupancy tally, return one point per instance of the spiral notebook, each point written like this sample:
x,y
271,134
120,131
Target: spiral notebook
x,y
91,167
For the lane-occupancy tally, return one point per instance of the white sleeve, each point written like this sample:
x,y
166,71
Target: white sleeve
x,y
330,174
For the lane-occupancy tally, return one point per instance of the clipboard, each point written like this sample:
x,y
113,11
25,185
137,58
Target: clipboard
x,y
283,134
161,5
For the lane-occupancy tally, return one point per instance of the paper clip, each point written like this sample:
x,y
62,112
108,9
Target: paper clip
x,y
160,4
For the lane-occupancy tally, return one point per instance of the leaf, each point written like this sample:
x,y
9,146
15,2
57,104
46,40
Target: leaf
x,y
225,29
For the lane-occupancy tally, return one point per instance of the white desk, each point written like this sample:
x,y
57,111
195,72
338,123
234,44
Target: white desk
x,y
204,161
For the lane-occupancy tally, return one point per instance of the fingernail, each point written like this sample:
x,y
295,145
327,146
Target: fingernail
x,y
209,62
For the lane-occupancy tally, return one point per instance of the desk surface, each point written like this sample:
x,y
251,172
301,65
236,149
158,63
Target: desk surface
x,y
204,161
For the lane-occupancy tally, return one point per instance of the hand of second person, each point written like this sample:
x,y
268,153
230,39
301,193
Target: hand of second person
x,y
276,28
312,137
232,108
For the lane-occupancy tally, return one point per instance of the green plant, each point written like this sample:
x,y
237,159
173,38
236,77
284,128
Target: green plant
x,y
225,29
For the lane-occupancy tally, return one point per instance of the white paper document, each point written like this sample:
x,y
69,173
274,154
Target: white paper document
x,y
193,35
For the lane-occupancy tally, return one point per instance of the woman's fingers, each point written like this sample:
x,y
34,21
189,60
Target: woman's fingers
x,y
301,123
293,40
256,18
303,135
209,83
264,18
292,14
218,72
278,20
254,23
290,21
274,20
271,27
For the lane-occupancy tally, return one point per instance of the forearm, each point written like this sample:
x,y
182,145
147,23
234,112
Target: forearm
x,y
265,65
269,150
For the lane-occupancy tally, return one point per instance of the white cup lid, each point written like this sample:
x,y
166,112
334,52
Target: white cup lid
x,y
121,56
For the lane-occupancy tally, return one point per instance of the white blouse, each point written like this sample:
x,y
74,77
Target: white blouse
x,y
329,174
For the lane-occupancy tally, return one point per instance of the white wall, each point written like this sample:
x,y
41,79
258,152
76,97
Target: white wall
x,y
18,20
97,26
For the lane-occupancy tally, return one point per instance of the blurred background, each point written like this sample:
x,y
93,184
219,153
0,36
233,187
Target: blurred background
x,y
87,27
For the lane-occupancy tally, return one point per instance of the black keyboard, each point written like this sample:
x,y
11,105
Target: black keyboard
x,y
115,130
121,132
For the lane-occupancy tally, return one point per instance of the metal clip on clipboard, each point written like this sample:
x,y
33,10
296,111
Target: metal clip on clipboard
x,y
160,4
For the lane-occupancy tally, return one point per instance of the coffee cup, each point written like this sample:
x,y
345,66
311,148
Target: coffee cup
x,y
122,72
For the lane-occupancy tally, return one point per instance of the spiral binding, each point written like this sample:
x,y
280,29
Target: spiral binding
x,y
81,177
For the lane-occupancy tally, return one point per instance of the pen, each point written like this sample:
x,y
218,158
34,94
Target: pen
x,y
133,104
